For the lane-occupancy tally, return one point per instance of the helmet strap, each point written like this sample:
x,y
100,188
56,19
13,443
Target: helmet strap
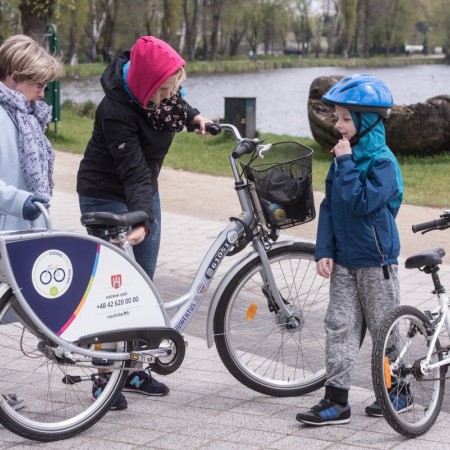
x,y
355,139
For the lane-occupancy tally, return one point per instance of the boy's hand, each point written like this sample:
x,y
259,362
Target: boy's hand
x,y
324,267
342,148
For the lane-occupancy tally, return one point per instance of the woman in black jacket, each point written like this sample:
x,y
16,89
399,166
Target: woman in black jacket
x,y
134,126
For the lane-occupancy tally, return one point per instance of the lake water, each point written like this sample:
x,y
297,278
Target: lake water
x,y
282,95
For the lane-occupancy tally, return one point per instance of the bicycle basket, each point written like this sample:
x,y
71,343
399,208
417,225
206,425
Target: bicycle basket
x,y
283,177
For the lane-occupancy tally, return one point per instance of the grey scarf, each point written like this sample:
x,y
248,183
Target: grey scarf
x,y
36,155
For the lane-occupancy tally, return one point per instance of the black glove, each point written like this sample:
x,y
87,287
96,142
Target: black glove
x,y
31,211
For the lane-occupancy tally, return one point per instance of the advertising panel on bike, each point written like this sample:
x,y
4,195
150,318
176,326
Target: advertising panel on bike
x,y
78,286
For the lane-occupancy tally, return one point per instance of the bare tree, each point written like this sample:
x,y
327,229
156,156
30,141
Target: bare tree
x,y
367,23
98,13
191,14
171,22
348,11
234,26
301,26
110,26
216,12
336,28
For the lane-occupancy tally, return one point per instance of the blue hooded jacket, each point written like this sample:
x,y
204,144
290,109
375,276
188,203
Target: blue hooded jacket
x,y
363,193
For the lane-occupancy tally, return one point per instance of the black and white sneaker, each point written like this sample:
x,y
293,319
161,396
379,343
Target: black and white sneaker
x,y
327,412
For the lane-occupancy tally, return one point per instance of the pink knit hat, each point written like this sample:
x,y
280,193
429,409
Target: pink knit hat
x,y
152,61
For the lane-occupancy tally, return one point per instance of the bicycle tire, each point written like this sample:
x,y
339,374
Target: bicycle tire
x,y
256,344
54,409
404,336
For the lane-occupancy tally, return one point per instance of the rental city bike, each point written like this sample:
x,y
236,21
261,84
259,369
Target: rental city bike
x,y
73,305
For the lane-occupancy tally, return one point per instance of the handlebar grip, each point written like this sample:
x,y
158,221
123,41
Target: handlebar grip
x,y
211,128
244,147
429,225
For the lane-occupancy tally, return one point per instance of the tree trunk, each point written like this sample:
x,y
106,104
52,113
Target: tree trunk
x,y
36,16
73,39
190,11
216,15
404,128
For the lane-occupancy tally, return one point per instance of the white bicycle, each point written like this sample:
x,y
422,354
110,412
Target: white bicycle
x,y
73,304
409,364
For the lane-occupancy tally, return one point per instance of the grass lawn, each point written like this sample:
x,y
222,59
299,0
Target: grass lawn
x,y
425,178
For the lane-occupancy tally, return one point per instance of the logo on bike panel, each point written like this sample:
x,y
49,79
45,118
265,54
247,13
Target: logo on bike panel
x,y
116,281
52,274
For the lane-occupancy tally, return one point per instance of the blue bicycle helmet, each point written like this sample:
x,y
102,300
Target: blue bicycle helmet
x,y
361,93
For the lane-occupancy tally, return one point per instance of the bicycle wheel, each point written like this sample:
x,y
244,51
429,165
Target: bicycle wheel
x,y
410,399
57,391
254,339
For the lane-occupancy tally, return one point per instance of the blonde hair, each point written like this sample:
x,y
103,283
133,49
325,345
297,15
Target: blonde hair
x,y
28,59
180,75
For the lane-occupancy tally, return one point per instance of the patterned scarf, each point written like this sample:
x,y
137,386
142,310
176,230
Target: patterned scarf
x,y
171,115
36,155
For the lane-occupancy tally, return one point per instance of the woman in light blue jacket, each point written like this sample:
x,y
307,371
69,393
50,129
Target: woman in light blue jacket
x,y
26,156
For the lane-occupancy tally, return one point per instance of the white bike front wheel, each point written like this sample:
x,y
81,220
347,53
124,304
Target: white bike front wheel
x,y
256,341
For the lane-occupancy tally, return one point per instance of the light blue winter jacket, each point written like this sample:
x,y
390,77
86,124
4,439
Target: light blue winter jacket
x,y
363,193
13,189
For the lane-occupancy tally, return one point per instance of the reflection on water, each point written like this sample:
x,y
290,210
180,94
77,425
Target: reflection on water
x,y
282,95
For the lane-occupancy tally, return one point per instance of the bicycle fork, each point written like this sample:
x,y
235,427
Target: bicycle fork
x,y
271,291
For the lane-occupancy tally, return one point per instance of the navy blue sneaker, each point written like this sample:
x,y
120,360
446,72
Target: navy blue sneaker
x,y
97,388
327,412
143,383
401,399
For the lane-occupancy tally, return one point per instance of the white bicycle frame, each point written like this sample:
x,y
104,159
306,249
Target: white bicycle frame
x,y
443,311
187,304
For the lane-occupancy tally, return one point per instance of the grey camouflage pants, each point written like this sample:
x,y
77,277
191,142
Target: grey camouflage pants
x,y
355,295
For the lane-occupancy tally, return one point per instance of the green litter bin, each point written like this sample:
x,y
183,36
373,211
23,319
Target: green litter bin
x,y
241,112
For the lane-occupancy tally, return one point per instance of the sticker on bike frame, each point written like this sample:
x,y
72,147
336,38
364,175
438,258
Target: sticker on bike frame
x,y
52,273
103,290
232,236
217,259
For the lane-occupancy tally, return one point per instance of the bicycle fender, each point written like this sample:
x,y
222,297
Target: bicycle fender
x,y
224,283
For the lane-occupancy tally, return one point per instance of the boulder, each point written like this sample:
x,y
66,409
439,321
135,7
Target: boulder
x,y
417,129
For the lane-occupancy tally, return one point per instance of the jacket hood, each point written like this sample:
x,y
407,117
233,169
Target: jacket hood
x,y
373,140
152,61
373,145
112,81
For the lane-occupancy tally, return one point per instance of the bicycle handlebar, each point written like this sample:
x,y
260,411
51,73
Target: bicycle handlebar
x,y
45,214
437,224
244,147
211,128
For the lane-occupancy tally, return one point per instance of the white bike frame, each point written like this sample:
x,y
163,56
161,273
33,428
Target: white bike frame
x,y
187,304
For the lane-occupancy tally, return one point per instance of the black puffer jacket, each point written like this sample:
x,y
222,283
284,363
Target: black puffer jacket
x,y
125,153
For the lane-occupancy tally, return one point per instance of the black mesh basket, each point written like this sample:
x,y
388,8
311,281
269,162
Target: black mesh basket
x,y
283,180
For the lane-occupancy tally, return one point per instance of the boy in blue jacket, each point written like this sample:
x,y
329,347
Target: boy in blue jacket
x,y
357,238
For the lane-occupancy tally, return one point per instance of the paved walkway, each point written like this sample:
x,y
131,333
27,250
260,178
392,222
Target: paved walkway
x,y
207,408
